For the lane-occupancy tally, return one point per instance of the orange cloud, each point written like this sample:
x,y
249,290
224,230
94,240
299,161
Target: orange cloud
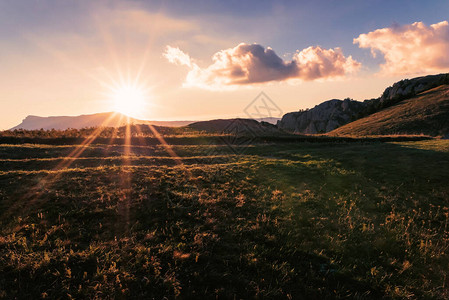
x,y
248,64
410,49
315,63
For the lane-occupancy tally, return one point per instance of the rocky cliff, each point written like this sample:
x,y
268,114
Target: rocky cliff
x,y
410,87
322,118
332,114
424,114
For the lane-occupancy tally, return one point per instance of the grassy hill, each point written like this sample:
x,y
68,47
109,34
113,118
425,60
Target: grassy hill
x,y
363,220
426,113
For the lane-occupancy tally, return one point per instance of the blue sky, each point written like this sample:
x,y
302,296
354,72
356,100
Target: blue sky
x,y
52,51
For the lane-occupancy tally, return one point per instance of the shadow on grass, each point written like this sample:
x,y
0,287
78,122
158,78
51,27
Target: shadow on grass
x,y
379,211
283,221
200,235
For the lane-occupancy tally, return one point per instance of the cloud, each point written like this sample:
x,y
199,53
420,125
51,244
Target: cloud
x,y
176,56
315,63
248,64
410,49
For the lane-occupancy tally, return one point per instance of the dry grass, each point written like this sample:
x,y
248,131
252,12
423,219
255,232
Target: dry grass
x,y
424,114
277,220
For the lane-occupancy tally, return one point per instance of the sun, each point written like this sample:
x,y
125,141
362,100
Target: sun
x,y
129,100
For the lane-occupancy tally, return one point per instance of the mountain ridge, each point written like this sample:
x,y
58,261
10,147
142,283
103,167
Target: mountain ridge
x,y
426,113
332,114
106,119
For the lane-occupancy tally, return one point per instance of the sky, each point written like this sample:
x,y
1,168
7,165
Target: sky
x,y
198,60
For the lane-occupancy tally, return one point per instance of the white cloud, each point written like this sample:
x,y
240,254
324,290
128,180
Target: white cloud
x,y
176,56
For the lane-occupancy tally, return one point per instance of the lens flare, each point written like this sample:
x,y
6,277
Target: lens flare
x,y
129,100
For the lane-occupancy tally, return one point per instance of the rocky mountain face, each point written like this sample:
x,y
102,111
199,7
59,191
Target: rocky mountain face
x,y
424,114
322,118
410,87
332,114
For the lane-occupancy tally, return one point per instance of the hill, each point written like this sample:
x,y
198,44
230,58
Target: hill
x,y
235,126
271,120
108,119
426,113
332,114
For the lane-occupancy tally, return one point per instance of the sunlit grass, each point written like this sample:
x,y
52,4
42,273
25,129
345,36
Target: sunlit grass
x,y
281,220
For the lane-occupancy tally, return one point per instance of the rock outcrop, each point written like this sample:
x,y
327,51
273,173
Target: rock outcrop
x,y
322,118
332,114
424,114
410,87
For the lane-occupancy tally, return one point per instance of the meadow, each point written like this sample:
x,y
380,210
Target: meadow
x,y
363,219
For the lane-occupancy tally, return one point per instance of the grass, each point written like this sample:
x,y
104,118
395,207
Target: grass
x,y
363,220
426,113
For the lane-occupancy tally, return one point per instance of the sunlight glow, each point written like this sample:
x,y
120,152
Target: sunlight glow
x,y
129,100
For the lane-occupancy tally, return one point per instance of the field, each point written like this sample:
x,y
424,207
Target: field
x,y
351,219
